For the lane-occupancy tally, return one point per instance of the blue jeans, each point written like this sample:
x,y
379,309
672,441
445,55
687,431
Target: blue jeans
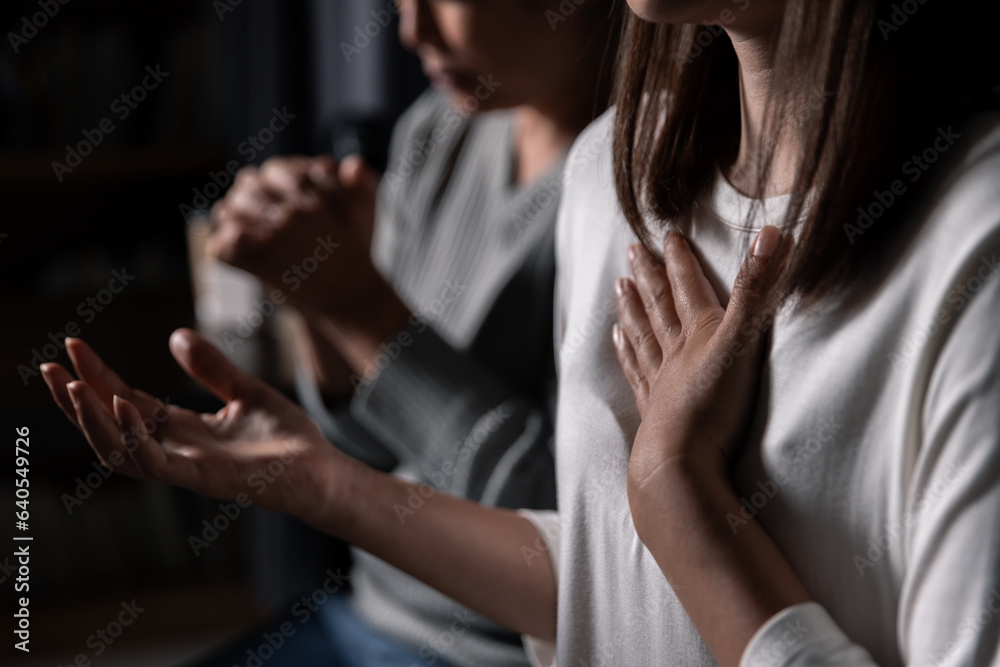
x,y
332,637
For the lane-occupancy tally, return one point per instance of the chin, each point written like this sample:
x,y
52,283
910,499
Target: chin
x,y
677,11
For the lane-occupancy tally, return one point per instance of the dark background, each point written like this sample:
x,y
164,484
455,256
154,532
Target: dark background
x,y
229,68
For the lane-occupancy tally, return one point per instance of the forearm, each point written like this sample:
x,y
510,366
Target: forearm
x,y
471,553
358,331
318,357
730,582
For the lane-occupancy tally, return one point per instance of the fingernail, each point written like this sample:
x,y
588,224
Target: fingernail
x,y
621,286
616,333
179,342
767,241
633,253
71,390
321,176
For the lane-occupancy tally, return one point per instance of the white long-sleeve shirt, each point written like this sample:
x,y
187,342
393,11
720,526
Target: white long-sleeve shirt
x,y
874,458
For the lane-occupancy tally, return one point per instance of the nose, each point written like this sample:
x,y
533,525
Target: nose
x,y
417,25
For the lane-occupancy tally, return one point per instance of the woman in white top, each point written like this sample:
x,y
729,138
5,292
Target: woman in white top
x,y
841,506
831,498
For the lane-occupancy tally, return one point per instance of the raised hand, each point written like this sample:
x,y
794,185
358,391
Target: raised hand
x,y
692,364
259,443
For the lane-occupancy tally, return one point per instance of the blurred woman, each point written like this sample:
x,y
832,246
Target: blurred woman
x,y
426,299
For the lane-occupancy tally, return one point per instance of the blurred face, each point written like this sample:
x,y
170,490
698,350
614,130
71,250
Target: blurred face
x,y
501,53
744,16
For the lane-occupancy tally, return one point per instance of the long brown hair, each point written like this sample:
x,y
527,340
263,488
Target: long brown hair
x,y
885,81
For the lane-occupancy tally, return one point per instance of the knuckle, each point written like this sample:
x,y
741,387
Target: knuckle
x,y
706,321
656,297
637,379
749,287
245,177
642,337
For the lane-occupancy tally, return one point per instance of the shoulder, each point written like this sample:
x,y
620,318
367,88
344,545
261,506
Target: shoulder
x,y
433,135
589,215
589,161
423,115
967,197
961,210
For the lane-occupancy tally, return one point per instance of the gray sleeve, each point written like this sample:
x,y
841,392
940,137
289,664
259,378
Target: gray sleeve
x,y
336,422
339,427
468,431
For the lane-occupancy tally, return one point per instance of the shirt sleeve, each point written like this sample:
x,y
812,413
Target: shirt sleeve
x,y
949,613
803,635
542,653
339,427
949,606
470,433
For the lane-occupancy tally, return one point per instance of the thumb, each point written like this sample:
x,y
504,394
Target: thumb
x,y
323,175
355,173
750,291
206,364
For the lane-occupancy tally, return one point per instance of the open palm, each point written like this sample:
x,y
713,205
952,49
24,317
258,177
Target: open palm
x,y
259,444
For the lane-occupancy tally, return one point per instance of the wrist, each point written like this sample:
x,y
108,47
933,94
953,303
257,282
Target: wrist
x,y
336,479
666,502
358,333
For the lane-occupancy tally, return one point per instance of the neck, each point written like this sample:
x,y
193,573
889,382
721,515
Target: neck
x,y
755,51
541,140
547,127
